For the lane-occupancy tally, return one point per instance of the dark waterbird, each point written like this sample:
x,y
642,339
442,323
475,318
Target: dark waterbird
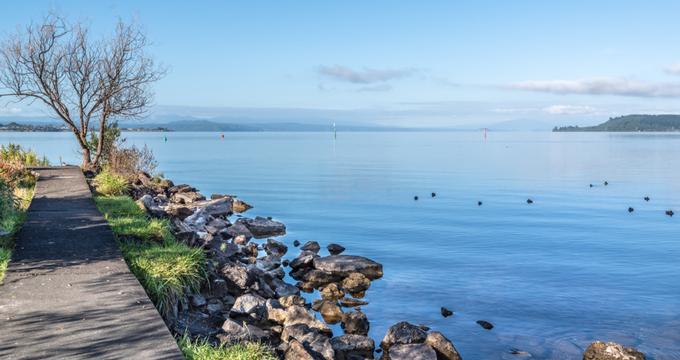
x,y
670,212
630,209
446,312
606,183
479,203
485,324
434,194
415,198
529,201
646,198
591,185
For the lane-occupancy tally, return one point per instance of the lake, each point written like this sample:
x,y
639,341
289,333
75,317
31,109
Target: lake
x,y
552,276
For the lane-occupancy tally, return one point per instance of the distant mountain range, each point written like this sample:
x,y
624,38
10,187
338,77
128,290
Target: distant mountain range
x,y
631,123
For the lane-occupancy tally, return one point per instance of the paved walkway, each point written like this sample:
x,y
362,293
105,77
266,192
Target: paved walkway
x,y
68,293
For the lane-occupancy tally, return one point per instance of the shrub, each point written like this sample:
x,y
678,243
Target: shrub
x,y
128,162
16,154
203,350
110,184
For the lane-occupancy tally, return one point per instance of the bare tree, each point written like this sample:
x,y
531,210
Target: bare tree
x,y
84,82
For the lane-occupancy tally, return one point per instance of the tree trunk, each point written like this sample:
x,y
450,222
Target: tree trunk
x,y
87,164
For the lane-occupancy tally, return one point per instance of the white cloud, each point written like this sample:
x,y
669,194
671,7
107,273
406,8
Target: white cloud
x,y
673,69
9,111
569,109
365,76
601,86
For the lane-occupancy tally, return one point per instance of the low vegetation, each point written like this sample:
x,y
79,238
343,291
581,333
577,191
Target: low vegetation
x,y
109,183
165,267
16,192
202,350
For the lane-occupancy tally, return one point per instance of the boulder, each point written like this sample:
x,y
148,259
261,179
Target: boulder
x,y
311,246
335,249
236,333
237,276
179,211
412,352
216,225
198,220
251,305
304,260
275,311
356,283
217,207
269,262
283,289
240,206
403,333
214,306
238,229
349,347
194,323
181,188
296,351
442,346
274,247
355,323
296,314
186,197
262,227
611,351
316,343
197,300
344,265
290,300
315,278
145,202
331,292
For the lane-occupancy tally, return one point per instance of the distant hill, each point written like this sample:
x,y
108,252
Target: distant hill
x,y
631,123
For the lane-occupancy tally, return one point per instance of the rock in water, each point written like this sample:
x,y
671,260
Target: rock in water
x,y
296,243
434,194
479,203
344,265
630,209
611,351
670,213
312,246
485,324
403,333
446,312
646,198
348,347
335,249
442,346
262,227
412,352
529,201
355,323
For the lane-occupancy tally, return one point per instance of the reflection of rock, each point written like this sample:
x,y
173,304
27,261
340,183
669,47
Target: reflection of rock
x,y
442,346
348,347
356,283
344,265
350,302
330,311
611,351
331,292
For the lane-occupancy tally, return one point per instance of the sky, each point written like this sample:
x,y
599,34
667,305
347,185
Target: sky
x,y
403,63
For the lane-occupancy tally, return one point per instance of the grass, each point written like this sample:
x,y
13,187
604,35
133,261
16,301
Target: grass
x,y
202,350
110,184
165,267
11,220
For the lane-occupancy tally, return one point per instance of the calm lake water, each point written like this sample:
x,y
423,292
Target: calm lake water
x,y
553,276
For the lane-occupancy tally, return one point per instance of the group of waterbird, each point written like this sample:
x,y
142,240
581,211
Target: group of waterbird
x,y
530,201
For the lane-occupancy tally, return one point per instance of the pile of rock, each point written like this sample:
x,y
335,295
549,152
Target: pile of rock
x,y
405,341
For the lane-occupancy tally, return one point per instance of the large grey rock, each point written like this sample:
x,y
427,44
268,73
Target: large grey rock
x,y
250,304
442,346
304,260
348,347
316,343
269,262
262,227
234,332
186,197
237,276
311,246
335,249
403,333
296,314
297,351
343,265
611,351
412,352
217,207
236,230
194,323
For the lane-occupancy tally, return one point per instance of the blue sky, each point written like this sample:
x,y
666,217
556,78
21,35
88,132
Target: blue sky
x,y
414,63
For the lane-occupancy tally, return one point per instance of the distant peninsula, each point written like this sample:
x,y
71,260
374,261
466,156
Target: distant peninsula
x,y
630,123
16,127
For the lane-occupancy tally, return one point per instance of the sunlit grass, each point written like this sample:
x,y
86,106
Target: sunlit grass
x,y
108,183
202,350
12,219
165,267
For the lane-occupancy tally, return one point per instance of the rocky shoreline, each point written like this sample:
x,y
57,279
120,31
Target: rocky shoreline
x,y
246,296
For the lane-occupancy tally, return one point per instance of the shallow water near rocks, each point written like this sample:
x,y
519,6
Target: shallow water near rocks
x,y
552,276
